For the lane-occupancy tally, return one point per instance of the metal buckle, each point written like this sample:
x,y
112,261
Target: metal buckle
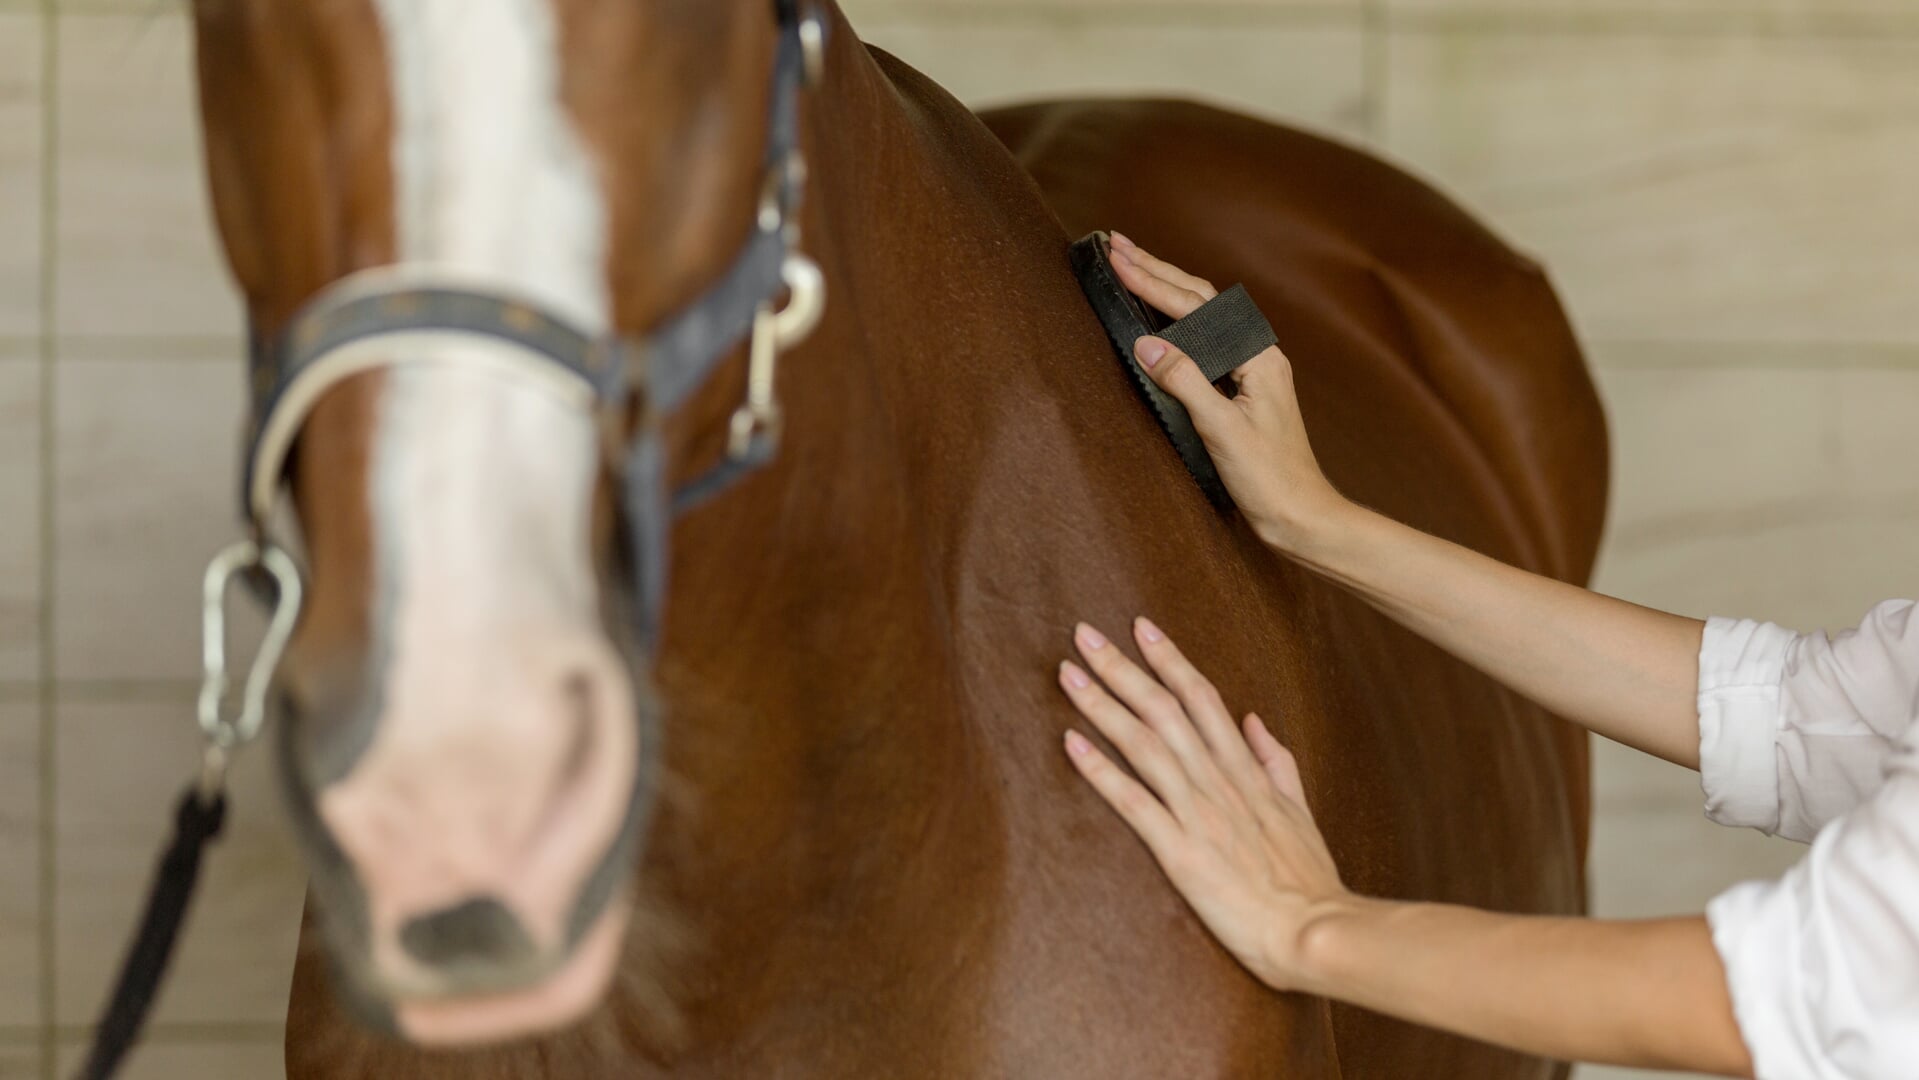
x,y
756,426
755,430
226,734
780,191
813,47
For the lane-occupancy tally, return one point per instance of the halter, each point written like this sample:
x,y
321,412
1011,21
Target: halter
x,y
367,321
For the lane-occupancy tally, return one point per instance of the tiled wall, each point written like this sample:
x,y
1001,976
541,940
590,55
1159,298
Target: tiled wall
x,y
1723,188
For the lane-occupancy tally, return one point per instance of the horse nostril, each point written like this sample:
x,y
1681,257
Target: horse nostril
x,y
478,932
582,703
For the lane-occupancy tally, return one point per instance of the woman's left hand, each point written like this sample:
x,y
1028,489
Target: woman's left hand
x,y
1221,806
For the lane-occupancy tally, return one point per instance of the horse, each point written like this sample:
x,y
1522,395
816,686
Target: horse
x,y
857,848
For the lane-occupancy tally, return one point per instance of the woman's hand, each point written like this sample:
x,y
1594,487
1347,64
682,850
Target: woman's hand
x,y
1223,813
1257,439
1222,810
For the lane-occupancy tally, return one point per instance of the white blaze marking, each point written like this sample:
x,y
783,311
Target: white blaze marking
x,y
482,485
496,665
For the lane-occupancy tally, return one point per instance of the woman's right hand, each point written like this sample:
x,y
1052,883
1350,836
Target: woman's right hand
x,y
1257,439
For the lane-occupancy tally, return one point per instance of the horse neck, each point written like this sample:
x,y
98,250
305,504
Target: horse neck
x,y
818,722
942,263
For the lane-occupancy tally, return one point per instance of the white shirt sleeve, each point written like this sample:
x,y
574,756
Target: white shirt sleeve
x,y
1823,965
1795,730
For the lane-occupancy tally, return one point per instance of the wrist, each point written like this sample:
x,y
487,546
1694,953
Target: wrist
x,y
1308,529
1323,941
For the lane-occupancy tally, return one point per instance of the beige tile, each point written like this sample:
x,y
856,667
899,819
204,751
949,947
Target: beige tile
x,y
1824,572
20,1063
161,1060
1669,859
137,245
1309,72
1688,186
1160,11
1625,779
19,521
19,864
21,138
122,768
1782,15
1879,431
1694,443
1607,1072
1654,852
146,481
1777,490
119,7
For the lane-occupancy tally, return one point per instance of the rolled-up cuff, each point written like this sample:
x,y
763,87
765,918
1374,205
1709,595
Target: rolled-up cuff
x,y
1741,666
1756,929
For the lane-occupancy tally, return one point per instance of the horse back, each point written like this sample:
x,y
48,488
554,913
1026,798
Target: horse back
x,y
1356,262
1441,384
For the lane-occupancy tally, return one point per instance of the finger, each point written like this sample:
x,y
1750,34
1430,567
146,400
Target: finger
x,y
1269,364
1162,269
1202,701
1278,762
1173,299
1134,804
1142,748
1145,699
1177,374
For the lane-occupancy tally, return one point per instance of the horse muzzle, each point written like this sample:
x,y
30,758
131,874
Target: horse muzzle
x,y
470,883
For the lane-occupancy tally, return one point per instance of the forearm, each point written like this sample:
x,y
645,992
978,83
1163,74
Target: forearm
x,y
1623,671
1641,994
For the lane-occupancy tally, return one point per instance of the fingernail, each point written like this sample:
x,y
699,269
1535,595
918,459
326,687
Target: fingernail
x,y
1151,633
1089,637
1120,239
1123,257
1151,351
1073,676
1077,745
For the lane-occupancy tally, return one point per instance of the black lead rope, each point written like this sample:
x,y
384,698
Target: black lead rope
x,y
197,823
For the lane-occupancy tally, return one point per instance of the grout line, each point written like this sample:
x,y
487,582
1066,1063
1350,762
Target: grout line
x,y
175,349
110,690
1190,12
49,927
1649,20
186,1032
1131,15
103,691
1684,354
1654,22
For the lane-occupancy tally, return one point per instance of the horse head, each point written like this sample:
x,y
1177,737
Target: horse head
x,y
485,248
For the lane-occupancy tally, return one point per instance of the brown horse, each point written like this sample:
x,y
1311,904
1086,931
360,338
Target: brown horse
x,y
870,857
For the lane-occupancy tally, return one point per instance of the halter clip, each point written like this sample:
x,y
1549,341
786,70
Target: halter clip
x,y
225,733
755,431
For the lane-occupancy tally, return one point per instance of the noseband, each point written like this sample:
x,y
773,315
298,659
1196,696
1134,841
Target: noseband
x,y
372,320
